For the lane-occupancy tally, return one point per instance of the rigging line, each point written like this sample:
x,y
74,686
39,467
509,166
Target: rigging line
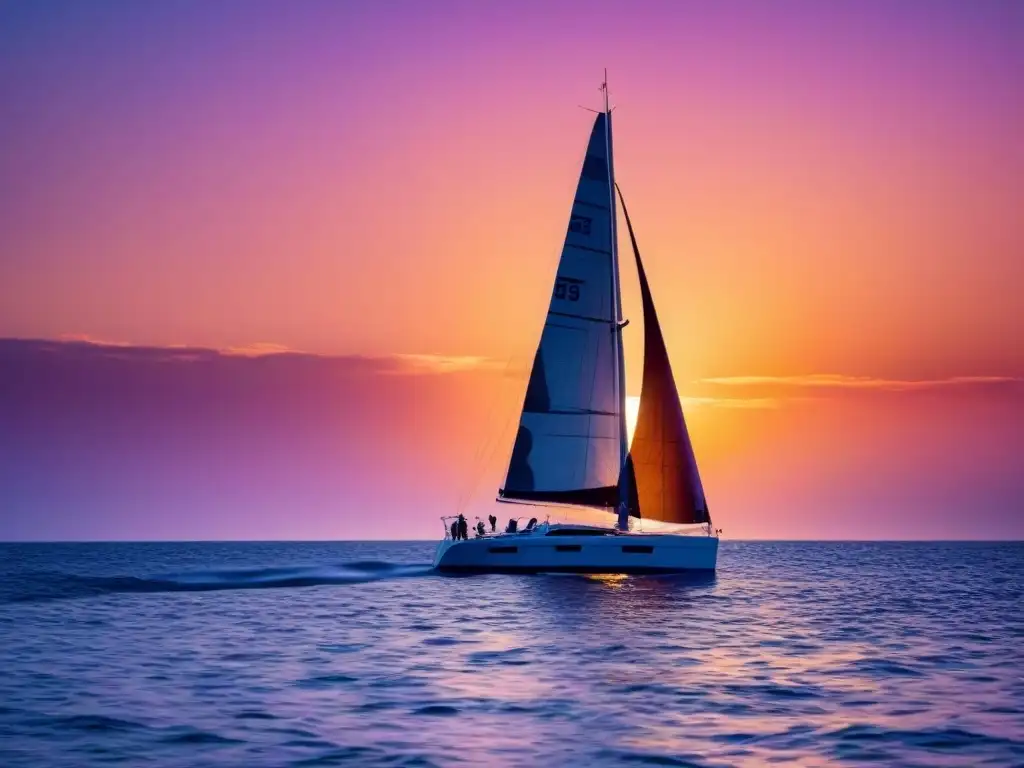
x,y
513,416
476,466
490,455
488,447
463,500
464,494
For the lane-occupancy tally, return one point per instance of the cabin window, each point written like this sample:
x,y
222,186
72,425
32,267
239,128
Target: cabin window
x,y
503,550
638,549
568,548
579,532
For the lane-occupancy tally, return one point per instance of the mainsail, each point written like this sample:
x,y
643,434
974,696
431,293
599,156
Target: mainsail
x,y
570,443
663,465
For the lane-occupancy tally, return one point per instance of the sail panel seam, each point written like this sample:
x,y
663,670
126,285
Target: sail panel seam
x,y
595,206
602,251
588,318
572,412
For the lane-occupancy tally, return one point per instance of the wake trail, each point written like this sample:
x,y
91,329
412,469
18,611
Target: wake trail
x,y
54,585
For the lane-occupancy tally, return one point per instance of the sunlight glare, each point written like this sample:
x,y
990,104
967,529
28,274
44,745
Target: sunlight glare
x,y
632,411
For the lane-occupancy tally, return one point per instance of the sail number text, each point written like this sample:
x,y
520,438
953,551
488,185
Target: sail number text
x,y
566,290
580,225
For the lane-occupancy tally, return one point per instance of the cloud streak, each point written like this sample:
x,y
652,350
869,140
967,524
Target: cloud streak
x,y
443,363
84,338
429,364
741,403
259,349
81,346
844,382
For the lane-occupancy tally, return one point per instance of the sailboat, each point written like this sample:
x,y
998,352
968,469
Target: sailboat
x,y
571,447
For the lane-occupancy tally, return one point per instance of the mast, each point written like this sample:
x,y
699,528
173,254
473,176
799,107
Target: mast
x,y
619,357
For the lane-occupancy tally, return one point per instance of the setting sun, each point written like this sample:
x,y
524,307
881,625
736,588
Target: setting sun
x,y
632,410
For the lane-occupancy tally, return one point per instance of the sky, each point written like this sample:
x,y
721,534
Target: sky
x,y
277,270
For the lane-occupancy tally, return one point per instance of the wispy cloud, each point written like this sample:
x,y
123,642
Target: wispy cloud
x,y
746,403
418,363
83,338
842,381
256,349
259,349
80,345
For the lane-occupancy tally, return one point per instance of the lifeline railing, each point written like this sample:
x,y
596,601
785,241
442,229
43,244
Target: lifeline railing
x,y
473,532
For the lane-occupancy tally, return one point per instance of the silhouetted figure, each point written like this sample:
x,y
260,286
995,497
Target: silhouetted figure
x,y
480,529
533,522
455,529
463,528
494,523
512,525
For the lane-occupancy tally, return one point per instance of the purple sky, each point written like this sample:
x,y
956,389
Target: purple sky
x,y
828,196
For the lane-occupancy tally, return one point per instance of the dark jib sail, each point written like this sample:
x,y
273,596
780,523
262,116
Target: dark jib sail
x,y
668,486
568,447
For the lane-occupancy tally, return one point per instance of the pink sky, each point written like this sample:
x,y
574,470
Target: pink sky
x,y
827,197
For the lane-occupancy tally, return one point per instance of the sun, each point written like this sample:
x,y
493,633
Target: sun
x,y
632,411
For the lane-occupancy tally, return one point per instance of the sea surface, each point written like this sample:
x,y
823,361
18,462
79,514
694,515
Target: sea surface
x,y
355,653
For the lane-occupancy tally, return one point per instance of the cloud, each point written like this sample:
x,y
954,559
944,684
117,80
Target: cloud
x,y
842,381
756,403
259,349
256,349
442,363
84,338
82,348
428,364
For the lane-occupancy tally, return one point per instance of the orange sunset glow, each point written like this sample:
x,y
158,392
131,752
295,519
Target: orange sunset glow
x,y
833,239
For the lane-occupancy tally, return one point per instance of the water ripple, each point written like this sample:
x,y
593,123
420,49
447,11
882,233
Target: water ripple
x,y
357,654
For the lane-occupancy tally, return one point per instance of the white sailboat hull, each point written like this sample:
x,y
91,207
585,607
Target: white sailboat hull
x,y
538,553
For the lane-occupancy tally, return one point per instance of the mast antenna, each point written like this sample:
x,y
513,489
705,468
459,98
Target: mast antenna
x,y
604,89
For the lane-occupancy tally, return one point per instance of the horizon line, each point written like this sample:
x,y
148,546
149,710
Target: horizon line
x,y
434,540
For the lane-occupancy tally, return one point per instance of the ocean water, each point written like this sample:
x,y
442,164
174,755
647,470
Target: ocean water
x,y
349,653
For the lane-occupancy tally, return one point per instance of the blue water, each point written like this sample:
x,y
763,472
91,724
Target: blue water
x,y
307,654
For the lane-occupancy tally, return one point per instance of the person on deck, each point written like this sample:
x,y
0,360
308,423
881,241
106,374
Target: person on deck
x,y
494,523
463,528
480,529
455,530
